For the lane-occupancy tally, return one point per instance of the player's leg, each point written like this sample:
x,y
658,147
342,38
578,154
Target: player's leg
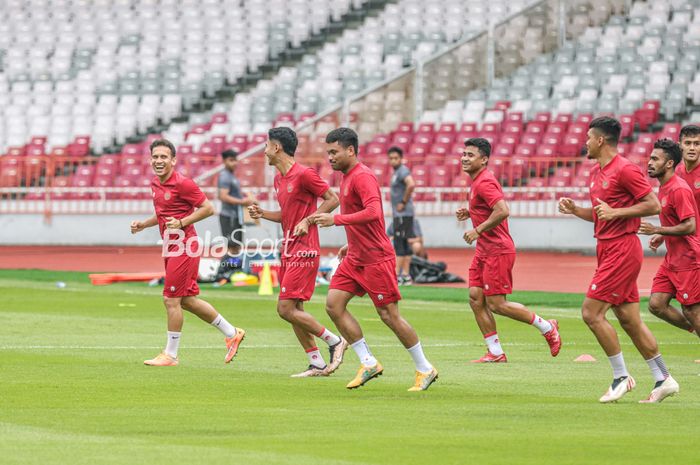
x,y
286,309
629,317
593,312
662,291
487,326
168,357
206,312
692,314
660,306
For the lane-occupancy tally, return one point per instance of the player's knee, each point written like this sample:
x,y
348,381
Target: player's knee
x,y
172,303
333,309
590,316
655,306
386,317
496,306
285,310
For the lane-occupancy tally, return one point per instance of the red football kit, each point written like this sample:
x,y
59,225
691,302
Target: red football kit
x,y
620,184
370,264
492,266
297,193
678,274
177,197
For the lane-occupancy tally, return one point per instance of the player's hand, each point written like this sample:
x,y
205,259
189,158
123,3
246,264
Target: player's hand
x,y
604,211
324,220
137,226
342,252
647,229
400,207
302,229
249,200
255,211
462,214
567,206
655,242
173,223
471,236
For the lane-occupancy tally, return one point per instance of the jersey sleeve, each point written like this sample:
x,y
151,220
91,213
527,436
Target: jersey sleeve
x,y
491,192
191,193
683,203
313,183
634,182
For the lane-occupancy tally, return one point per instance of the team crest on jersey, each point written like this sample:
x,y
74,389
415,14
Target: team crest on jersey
x,y
290,188
697,184
346,191
605,184
167,196
664,202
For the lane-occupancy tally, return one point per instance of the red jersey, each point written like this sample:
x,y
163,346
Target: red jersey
x,y
678,204
620,184
362,215
297,193
693,180
485,193
177,197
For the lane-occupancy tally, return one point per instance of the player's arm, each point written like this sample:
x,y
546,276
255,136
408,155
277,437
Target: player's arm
x,y
568,207
225,197
205,210
410,187
648,206
330,203
684,228
499,213
257,213
138,226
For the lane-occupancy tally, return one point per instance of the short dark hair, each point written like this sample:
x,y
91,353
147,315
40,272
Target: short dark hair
x,y
671,149
480,143
163,143
346,137
691,130
396,150
230,153
609,127
286,137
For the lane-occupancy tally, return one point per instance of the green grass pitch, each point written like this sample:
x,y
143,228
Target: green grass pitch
x,y
73,389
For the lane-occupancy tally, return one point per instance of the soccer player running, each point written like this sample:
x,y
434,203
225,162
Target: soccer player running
x,y
491,271
678,274
179,203
368,264
402,186
660,303
620,195
298,189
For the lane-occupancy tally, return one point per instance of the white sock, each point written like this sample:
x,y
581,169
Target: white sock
x,y
224,326
618,365
658,368
540,323
315,357
173,343
328,337
493,343
362,350
422,363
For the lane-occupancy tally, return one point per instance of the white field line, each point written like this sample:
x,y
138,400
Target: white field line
x,y
289,346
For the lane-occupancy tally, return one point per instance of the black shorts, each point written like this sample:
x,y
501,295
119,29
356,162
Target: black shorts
x,y
403,231
231,228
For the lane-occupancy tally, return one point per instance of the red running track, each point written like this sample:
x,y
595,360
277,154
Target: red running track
x,y
534,271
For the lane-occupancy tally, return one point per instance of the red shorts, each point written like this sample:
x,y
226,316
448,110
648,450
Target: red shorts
x,y
378,280
619,263
683,285
298,279
181,276
492,273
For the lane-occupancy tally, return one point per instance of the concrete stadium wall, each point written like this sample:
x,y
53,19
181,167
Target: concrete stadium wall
x,y
565,234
